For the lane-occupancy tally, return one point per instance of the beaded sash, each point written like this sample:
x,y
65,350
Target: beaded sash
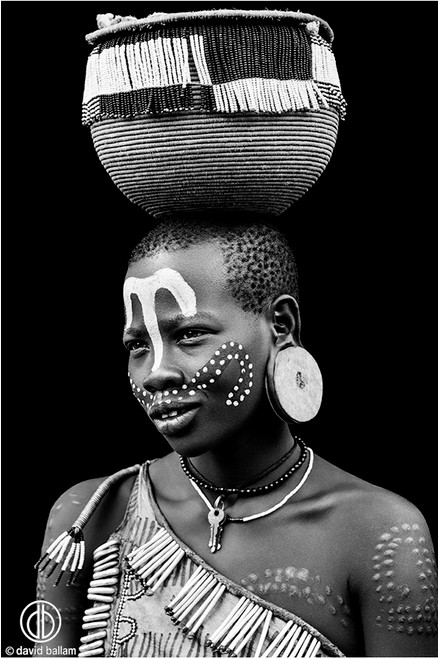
x,y
170,603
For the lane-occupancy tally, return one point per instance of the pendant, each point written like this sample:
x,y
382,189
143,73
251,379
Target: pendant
x,y
216,518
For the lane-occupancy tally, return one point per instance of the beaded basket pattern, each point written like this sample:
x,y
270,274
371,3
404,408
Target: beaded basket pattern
x,y
186,110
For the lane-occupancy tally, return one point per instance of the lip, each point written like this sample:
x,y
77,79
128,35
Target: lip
x,y
177,416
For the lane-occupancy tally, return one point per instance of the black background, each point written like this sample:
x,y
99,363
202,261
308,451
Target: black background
x,y
363,238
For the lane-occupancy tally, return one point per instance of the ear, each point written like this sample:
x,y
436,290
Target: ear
x,y
285,321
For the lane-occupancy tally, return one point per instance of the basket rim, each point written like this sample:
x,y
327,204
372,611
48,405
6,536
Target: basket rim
x,y
132,24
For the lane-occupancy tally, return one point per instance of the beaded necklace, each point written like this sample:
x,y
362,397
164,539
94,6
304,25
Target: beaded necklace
x,y
245,490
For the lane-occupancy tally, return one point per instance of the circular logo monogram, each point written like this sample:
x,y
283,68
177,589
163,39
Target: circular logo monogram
x,y
40,621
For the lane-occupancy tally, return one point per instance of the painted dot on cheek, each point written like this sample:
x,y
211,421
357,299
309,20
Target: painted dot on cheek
x,y
192,393
184,386
218,372
229,402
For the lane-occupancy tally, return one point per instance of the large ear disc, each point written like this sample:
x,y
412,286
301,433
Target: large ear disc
x,y
294,385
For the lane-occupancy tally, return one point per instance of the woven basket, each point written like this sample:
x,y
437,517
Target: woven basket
x,y
213,110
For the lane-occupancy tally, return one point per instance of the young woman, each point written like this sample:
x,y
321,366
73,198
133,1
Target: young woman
x,y
239,540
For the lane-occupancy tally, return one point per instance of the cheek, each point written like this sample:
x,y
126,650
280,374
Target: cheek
x,y
236,382
229,372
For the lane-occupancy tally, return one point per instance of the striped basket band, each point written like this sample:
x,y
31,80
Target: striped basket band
x,y
239,64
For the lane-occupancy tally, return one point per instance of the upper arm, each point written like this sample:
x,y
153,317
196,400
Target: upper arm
x,y
397,584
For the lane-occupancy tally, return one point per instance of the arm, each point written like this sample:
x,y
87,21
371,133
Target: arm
x,y
72,600
397,585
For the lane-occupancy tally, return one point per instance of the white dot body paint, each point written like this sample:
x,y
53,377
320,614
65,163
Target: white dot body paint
x,y
201,381
145,289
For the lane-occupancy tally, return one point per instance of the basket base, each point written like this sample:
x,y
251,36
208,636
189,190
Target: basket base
x,y
191,162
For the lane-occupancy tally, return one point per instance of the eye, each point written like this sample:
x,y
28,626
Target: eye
x,y
137,346
191,335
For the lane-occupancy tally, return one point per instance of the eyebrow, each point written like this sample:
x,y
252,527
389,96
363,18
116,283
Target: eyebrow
x,y
171,323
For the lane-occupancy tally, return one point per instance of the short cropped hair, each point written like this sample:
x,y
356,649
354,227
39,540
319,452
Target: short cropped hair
x,y
259,262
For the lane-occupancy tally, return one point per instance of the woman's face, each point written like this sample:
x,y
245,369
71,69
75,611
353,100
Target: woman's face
x,y
196,359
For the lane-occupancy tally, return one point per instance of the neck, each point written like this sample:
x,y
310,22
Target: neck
x,y
240,459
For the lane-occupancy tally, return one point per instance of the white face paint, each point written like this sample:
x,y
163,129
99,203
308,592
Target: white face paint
x,y
145,289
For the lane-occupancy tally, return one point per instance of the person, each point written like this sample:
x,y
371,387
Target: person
x,y
240,539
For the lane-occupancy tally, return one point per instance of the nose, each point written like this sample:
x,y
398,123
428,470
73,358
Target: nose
x,y
166,376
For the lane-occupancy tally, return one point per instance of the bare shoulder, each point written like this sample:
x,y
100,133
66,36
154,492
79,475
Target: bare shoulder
x,y
367,509
105,519
389,562
69,505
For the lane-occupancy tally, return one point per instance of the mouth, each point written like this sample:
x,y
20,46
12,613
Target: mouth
x,y
173,418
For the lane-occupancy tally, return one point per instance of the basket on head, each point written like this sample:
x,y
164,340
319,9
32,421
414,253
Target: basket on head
x,y
228,109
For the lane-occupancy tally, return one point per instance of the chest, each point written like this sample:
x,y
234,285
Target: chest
x,y
292,559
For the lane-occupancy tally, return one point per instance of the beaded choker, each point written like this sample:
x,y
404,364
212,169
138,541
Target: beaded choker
x,y
187,468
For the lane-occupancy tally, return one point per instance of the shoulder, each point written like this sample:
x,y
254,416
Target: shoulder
x,y
366,507
388,558
104,520
69,505
370,519
384,534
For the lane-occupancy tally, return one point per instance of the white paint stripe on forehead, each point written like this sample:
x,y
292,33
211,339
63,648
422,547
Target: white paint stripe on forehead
x,y
145,289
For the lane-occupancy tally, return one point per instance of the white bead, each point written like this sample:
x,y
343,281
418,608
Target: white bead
x,y
92,637
103,582
95,625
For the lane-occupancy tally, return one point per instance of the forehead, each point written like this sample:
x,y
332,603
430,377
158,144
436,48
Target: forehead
x,y
202,267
